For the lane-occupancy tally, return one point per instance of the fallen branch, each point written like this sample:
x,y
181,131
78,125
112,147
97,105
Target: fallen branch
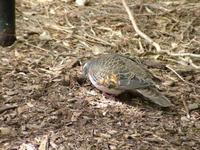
x,y
137,30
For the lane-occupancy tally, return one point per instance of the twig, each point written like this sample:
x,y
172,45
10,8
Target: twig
x,y
185,54
189,65
186,107
7,107
193,65
35,46
171,69
44,145
137,30
183,100
99,40
179,76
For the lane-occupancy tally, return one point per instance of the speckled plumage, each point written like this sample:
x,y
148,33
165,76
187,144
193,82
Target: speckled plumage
x,y
115,74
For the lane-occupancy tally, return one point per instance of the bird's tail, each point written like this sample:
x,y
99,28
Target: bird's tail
x,y
155,96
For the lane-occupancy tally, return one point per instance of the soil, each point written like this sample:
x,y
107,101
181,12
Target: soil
x,y
45,103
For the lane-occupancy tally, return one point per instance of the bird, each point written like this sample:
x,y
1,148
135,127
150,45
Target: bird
x,y
115,74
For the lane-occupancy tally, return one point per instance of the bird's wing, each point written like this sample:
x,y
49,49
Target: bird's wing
x,y
133,82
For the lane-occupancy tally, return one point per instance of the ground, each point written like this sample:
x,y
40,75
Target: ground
x,y
45,103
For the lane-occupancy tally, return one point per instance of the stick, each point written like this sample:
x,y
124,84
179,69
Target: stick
x,y
7,107
183,100
137,30
179,76
186,107
185,54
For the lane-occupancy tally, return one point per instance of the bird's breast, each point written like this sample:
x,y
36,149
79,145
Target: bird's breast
x,y
105,85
